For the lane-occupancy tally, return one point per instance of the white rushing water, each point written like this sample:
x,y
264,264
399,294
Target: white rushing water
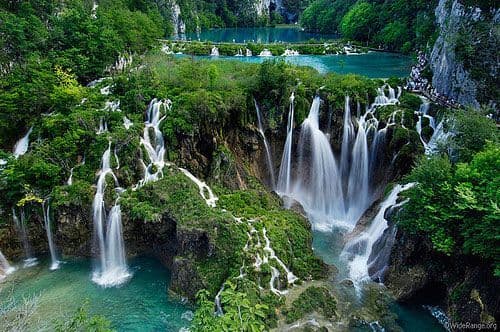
x,y
336,193
48,229
112,269
5,267
205,191
152,140
22,145
269,159
357,251
285,174
20,225
214,51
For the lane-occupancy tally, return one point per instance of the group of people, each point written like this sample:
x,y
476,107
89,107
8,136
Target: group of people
x,y
420,84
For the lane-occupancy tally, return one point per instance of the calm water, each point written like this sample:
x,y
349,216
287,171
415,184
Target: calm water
x,y
411,318
373,64
139,305
258,35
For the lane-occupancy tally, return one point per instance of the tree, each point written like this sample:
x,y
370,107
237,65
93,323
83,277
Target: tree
x,y
360,22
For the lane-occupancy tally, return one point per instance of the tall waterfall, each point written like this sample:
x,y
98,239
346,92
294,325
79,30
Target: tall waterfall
x,y
359,249
153,142
285,174
5,267
47,222
318,187
20,226
332,195
269,159
21,146
112,269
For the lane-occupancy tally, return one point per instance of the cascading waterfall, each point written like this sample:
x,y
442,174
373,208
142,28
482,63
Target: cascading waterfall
x,y
20,226
358,191
22,145
285,174
154,146
214,51
318,187
331,195
5,267
358,250
112,269
269,160
47,223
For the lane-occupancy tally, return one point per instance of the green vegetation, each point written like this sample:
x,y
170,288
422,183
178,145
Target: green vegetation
x,y
374,22
455,201
312,299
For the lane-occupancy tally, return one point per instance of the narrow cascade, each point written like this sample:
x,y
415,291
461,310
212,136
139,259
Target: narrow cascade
x,y
269,159
103,127
218,306
22,145
47,222
5,267
112,269
285,174
358,250
214,51
20,226
347,137
382,99
205,191
153,142
70,179
422,113
127,123
358,192
318,187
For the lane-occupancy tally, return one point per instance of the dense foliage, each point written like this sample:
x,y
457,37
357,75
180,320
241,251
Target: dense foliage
x,y
456,204
395,24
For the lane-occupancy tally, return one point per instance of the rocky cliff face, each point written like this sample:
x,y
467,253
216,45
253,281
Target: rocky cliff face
x,y
464,287
464,59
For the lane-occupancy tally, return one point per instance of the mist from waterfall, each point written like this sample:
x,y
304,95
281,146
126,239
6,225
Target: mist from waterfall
x,y
48,229
269,159
112,269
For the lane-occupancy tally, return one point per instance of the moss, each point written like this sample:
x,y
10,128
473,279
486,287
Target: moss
x,y
316,299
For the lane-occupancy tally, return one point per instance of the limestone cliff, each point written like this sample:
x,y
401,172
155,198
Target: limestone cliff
x,y
464,59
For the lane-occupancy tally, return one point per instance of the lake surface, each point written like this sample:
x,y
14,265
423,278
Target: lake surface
x,y
258,35
142,304
373,64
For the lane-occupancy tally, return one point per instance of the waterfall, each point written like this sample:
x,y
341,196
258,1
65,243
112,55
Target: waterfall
x,y
112,270
5,267
154,146
284,177
205,191
47,222
318,187
70,179
269,159
214,51
127,123
358,191
359,249
103,126
347,136
20,226
218,306
21,146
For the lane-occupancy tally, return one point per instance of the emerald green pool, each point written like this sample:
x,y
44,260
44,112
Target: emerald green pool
x,y
142,304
